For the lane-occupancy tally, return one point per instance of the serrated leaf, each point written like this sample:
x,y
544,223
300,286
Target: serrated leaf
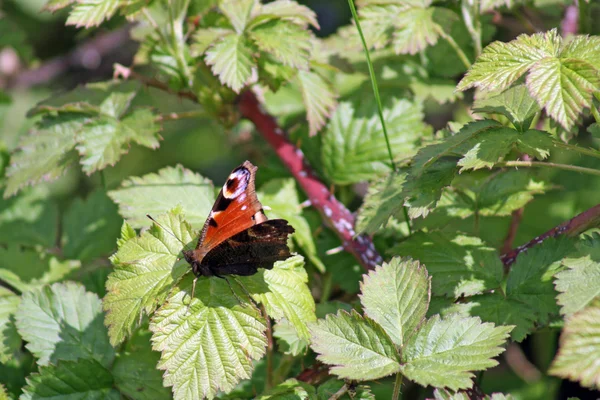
x,y
319,98
88,13
63,322
203,38
396,296
287,42
90,227
354,148
70,380
343,338
382,201
231,59
10,341
146,268
284,292
135,372
291,389
516,104
579,348
103,141
418,28
579,285
165,190
207,344
444,352
459,265
289,341
55,5
288,10
238,12
282,197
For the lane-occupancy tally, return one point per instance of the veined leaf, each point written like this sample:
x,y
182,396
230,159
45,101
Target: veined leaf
x,y
203,38
289,43
579,285
288,339
459,265
238,12
288,10
10,341
88,13
319,99
284,292
444,352
146,268
344,338
418,28
382,201
231,59
165,190
290,389
64,322
208,343
579,348
516,104
81,379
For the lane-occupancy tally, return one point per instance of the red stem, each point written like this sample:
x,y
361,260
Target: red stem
x,y
332,211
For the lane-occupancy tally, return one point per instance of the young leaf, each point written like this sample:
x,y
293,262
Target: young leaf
x,y
64,322
146,268
419,27
396,296
160,192
580,283
203,38
579,348
231,59
444,352
289,341
459,265
288,10
81,379
290,389
319,99
88,13
208,343
382,201
239,12
90,227
354,148
344,338
135,372
284,292
10,341
289,43
516,104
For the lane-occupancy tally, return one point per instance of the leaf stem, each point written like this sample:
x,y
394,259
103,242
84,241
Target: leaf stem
x,y
407,218
565,167
463,57
103,179
470,13
397,387
327,284
185,114
343,390
373,82
578,149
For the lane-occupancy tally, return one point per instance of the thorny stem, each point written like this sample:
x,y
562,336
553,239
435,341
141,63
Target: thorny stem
x,y
342,391
565,167
463,57
181,115
397,387
579,149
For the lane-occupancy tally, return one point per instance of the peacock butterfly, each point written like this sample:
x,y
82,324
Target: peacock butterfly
x,y
237,237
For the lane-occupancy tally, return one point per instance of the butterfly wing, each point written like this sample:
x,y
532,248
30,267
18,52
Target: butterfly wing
x,y
257,246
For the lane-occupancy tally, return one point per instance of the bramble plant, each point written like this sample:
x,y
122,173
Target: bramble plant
x,y
474,123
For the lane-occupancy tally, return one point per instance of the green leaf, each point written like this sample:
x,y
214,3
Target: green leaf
x,y
329,388
580,283
354,148
160,192
88,13
203,38
291,389
146,268
55,5
342,339
239,12
284,292
231,59
64,322
516,104
444,352
419,28
10,341
45,153
289,11
459,265
104,140
579,348
26,269
90,227
396,296
289,43
70,380
382,201
319,99
282,197
289,341
135,372
207,344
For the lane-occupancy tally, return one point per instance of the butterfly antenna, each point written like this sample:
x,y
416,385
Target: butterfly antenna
x,y
165,229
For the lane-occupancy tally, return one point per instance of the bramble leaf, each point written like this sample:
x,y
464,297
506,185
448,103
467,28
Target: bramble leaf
x,y
165,190
444,352
343,338
145,269
290,389
579,348
516,104
238,12
382,201
396,296
81,379
319,98
10,341
64,322
208,344
88,13
289,11
231,59
289,43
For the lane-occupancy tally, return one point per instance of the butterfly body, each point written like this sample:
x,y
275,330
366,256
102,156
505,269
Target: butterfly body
x,y
237,237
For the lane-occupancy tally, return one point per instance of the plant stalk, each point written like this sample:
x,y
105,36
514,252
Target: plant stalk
x,y
397,387
565,167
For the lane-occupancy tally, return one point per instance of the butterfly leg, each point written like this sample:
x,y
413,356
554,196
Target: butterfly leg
x,y
231,288
193,292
